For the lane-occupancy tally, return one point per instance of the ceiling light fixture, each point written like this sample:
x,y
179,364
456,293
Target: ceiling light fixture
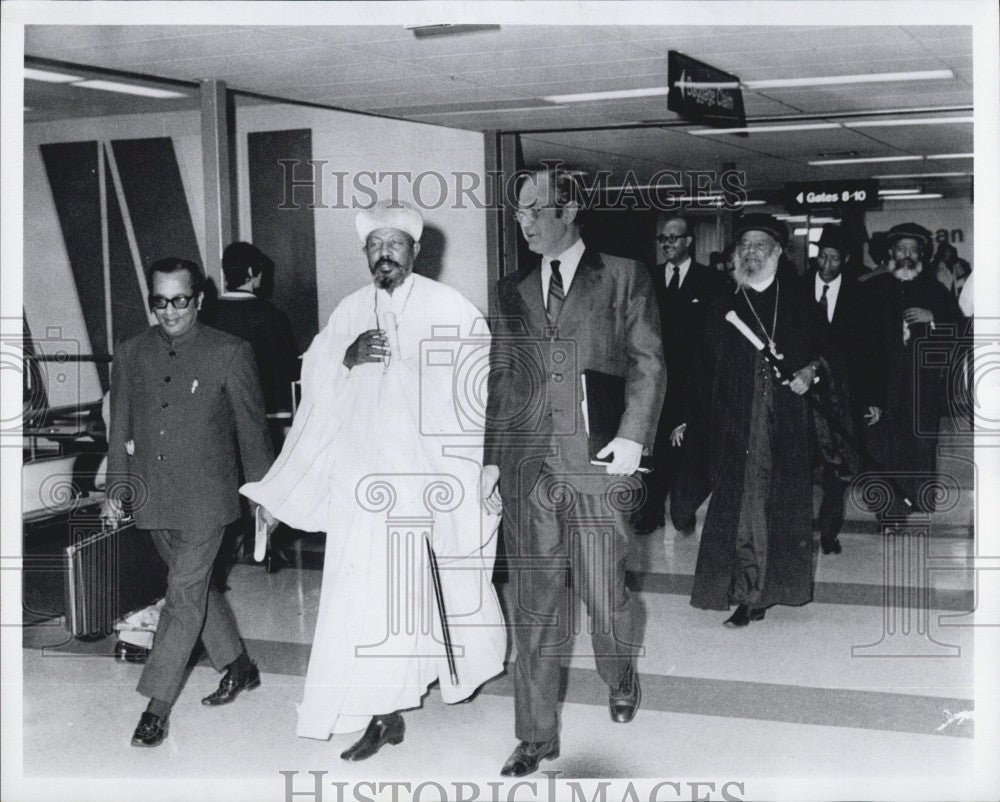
x,y
898,191
908,121
619,94
50,77
952,156
867,159
919,175
130,89
864,78
921,196
764,129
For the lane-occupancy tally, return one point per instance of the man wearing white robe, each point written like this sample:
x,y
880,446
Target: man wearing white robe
x,y
384,456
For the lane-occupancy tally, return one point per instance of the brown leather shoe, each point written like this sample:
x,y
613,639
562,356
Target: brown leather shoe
x,y
151,730
381,730
232,684
623,701
527,755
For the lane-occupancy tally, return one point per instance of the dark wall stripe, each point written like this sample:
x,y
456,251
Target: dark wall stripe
x,y
71,168
157,205
128,313
288,236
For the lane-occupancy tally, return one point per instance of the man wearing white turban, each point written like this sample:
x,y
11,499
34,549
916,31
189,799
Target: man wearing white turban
x,y
384,456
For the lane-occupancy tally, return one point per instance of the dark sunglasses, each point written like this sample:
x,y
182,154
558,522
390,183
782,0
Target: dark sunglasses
x,y
177,302
669,238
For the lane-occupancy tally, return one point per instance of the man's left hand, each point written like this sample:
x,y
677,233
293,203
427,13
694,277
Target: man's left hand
x,y
803,380
917,314
627,454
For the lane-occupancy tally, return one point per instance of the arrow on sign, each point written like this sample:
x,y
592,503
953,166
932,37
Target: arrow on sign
x,y
800,196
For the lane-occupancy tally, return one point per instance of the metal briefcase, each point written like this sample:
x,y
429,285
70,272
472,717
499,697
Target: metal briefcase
x,y
111,574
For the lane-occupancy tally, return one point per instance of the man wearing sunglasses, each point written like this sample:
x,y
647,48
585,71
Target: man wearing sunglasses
x,y
684,289
186,412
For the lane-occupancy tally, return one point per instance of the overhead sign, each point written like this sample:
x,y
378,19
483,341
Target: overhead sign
x,y
703,94
860,194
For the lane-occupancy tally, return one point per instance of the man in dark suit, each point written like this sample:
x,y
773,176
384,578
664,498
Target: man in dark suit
x,y
843,304
578,309
242,312
684,289
185,403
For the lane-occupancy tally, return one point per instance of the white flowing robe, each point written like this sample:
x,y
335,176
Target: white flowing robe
x,y
382,458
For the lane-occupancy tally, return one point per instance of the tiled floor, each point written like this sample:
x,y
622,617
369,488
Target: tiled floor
x,y
789,707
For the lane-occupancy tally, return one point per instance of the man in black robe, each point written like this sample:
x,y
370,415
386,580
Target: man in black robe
x,y
913,312
756,544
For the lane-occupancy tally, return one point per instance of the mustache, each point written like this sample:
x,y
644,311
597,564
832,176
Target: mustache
x,y
386,261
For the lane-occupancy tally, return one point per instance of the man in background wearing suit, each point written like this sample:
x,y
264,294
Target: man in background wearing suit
x,y
185,401
578,309
840,297
684,289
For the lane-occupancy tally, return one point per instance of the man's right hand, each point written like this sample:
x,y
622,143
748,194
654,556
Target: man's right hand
x,y
489,489
370,346
112,512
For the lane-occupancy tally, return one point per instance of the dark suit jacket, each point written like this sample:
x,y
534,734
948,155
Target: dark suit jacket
x,y
609,322
269,332
682,320
852,329
193,409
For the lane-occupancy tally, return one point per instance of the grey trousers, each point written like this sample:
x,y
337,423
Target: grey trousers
x,y
548,538
193,609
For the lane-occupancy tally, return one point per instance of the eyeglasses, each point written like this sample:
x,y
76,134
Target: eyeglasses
x,y
664,239
177,302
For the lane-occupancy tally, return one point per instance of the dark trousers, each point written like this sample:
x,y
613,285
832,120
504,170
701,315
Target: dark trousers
x,y
554,535
193,609
831,508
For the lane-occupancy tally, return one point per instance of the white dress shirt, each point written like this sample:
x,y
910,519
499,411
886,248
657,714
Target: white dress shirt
x,y
668,271
569,260
831,294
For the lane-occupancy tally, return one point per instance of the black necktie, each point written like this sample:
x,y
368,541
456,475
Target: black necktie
x,y
556,294
675,281
824,302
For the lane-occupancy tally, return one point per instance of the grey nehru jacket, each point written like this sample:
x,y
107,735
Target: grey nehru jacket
x,y
192,407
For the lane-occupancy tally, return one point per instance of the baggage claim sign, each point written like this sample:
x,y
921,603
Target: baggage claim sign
x,y
703,94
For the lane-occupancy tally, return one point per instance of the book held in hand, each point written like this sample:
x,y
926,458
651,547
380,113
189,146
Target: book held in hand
x,y
603,407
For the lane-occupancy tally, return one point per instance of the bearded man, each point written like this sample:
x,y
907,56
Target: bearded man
x,y
912,309
380,458
756,543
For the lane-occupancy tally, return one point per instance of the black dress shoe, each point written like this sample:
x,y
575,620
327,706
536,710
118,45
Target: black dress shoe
x,y
527,755
744,615
687,527
381,730
623,701
232,683
151,730
130,653
830,545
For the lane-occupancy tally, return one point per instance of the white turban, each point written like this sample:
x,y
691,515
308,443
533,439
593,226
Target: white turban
x,y
389,214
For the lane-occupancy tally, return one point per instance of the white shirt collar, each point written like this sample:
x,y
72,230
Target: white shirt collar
x,y
569,261
834,284
238,295
683,266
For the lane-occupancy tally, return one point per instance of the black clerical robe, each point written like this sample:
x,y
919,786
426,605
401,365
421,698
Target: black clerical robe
x,y
911,375
756,543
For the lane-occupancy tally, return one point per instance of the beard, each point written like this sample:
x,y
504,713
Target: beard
x,y
388,274
755,268
905,269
